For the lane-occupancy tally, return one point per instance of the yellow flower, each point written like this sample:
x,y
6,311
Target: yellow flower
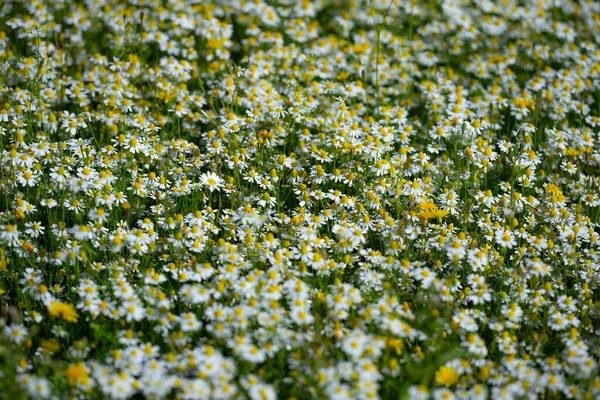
x,y
63,310
427,205
77,374
429,210
446,376
214,44
3,261
50,346
441,213
553,189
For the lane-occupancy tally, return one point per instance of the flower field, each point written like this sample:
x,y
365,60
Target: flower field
x,y
330,199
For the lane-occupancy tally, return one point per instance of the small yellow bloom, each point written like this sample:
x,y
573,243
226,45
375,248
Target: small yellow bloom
x,y
429,211
553,189
77,374
63,310
446,376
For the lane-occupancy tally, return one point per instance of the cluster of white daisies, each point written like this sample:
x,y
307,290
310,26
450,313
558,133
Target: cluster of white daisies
x,y
299,199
